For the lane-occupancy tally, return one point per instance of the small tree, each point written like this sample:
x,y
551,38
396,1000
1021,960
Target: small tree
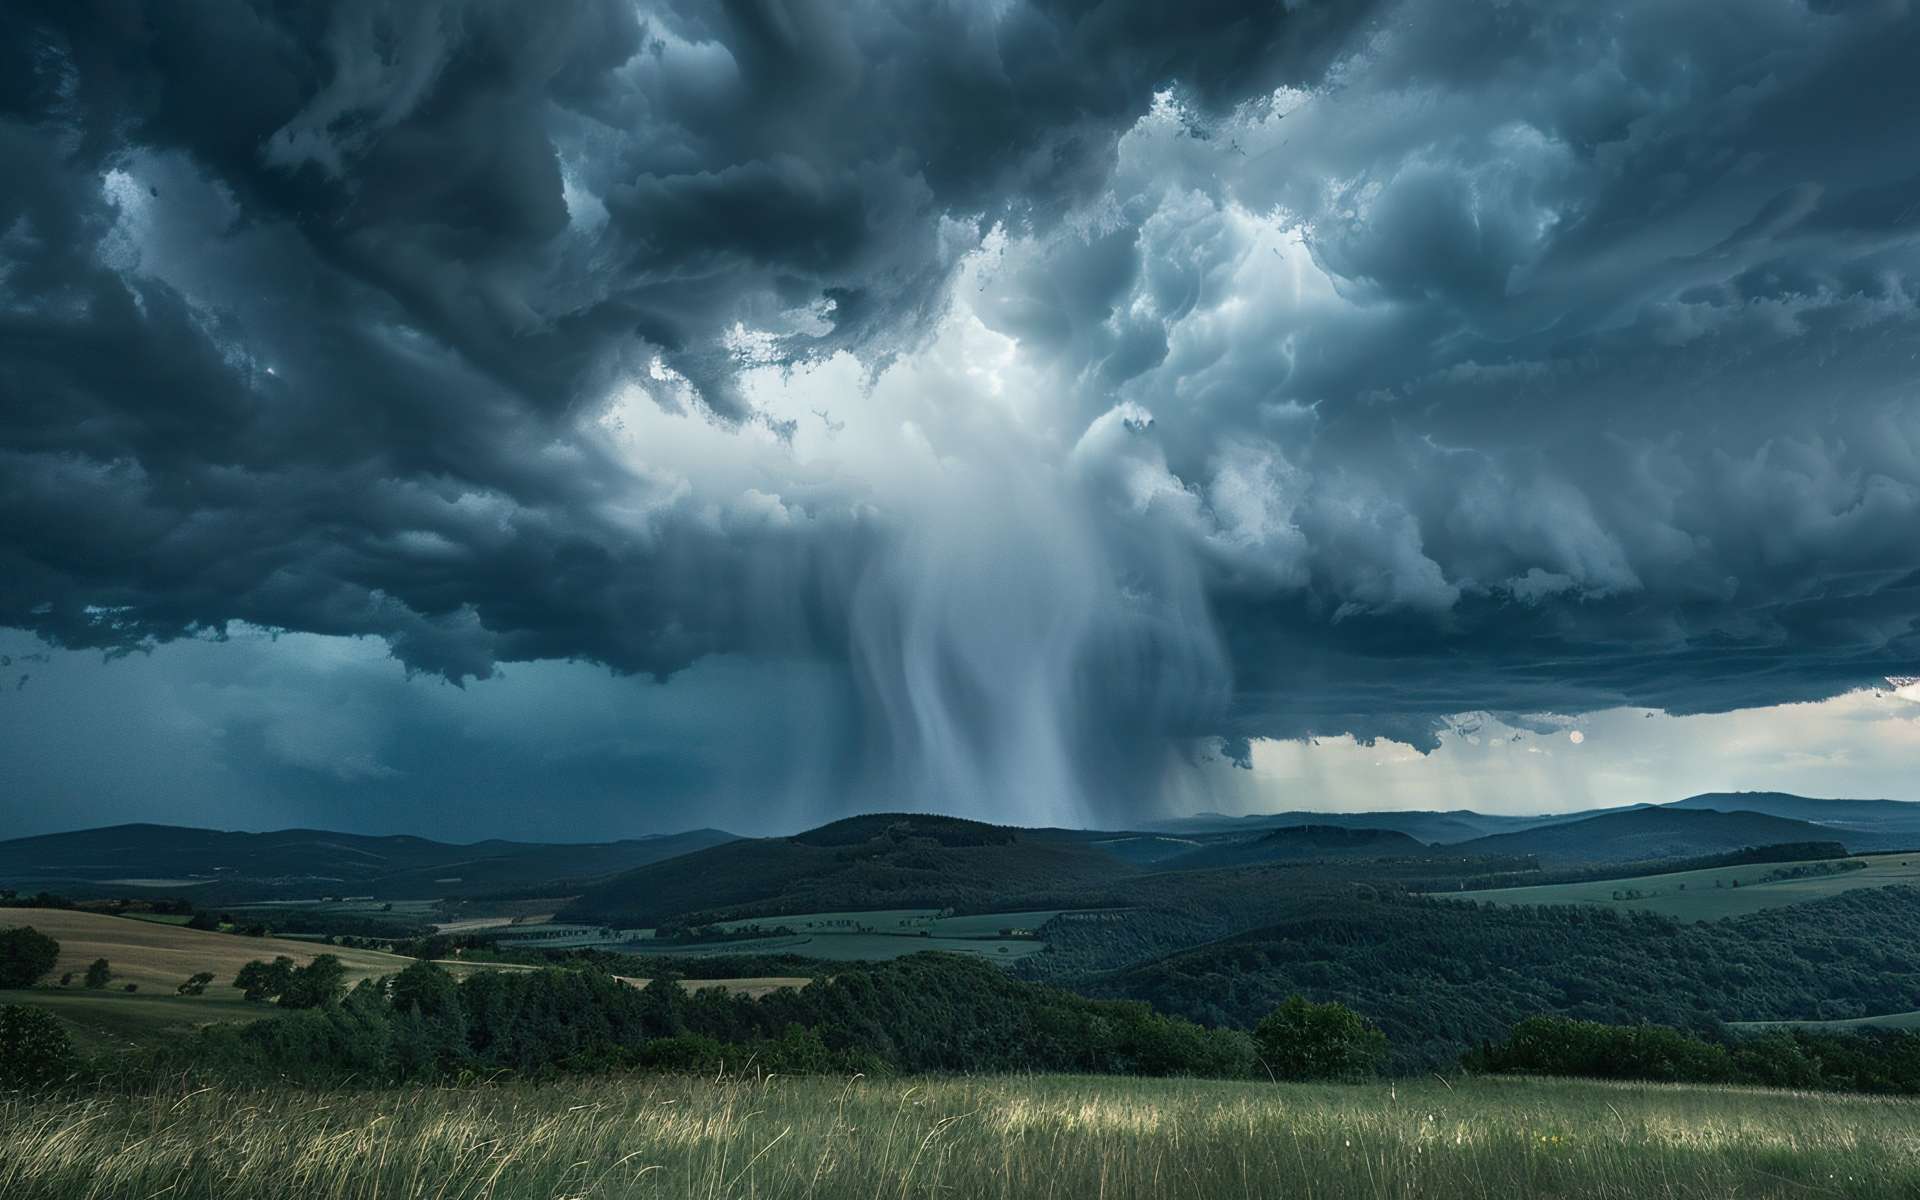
x,y
132,987
427,989
99,974
25,955
262,981
1303,1040
196,984
316,985
34,1050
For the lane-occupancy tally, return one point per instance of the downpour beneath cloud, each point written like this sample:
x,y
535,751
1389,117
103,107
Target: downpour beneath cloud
x,y
1028,410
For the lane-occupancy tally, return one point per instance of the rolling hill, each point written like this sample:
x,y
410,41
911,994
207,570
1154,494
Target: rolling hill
x,y
1438,976
1434,828
217,867
1646,834
1893,817
879,861
1298,843
158,957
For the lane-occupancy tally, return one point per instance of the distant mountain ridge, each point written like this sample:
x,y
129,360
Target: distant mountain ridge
x,y
301,863
1452,826
1865,816
1438,828
1297,843
896,859
1667,831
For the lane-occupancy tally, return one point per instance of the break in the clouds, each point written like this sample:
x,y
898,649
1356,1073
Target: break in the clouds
x,y
1042,398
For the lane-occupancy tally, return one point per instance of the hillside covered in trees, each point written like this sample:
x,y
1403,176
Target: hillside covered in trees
x,y
1441,976
880,861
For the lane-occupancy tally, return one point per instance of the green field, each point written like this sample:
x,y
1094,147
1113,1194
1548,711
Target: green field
x,y
416,912
1710,894
114,1020
157,957
989,1138
1899,1020
843,947
904,921
864,936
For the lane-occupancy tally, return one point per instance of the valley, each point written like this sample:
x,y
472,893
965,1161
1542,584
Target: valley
x,y
905,945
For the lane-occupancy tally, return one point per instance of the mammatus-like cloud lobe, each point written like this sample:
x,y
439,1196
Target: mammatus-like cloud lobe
x,y
1066,390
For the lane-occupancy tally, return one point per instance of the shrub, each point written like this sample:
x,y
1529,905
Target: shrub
x,y
1304,1040
426,989
34,1050
689,1054
262,981
132,987
1558,1046
26,954
315,985
99,974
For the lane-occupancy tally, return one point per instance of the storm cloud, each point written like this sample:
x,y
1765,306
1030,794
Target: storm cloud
x,y
1067,391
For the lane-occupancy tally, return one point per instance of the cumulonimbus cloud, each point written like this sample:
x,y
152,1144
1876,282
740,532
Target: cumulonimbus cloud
x,y
1081,381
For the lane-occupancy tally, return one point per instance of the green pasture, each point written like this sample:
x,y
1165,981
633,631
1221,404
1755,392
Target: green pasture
x,y
980,1138
1712,893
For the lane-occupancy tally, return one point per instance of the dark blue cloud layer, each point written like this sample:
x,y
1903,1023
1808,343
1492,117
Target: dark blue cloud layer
x,y
1516,357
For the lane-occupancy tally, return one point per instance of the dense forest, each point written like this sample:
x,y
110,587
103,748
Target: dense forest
x,y
1439,976
1886,1061
929,1012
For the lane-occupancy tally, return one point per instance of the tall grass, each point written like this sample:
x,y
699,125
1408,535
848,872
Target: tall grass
x,y
964,1138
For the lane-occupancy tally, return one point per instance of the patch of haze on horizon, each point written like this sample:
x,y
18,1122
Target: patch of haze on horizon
x,y
1859,745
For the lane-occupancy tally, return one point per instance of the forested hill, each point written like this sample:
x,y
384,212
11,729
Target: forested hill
x,y
1433,828
1299,842
878,861
1864,816
214,866
1439,976
1666,832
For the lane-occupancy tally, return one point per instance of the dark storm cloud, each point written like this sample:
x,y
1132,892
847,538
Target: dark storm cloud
x,y
1516,357
380,307
1603,389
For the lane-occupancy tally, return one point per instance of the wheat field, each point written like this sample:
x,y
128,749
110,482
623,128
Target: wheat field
x,y
158,957
1005,1138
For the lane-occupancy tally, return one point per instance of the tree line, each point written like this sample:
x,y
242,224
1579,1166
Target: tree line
x,y
1883,1061
1442,976
924,1013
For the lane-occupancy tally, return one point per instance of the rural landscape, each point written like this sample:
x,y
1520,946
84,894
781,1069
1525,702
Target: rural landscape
x,y
1659,1000
959,600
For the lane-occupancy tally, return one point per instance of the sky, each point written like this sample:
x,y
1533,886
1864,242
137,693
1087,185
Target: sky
x,y
580,420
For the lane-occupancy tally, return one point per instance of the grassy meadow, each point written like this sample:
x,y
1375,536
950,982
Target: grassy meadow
x,y
101,1022
995,1137
1899,1020
159,956
871,935
842,947
1712,893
